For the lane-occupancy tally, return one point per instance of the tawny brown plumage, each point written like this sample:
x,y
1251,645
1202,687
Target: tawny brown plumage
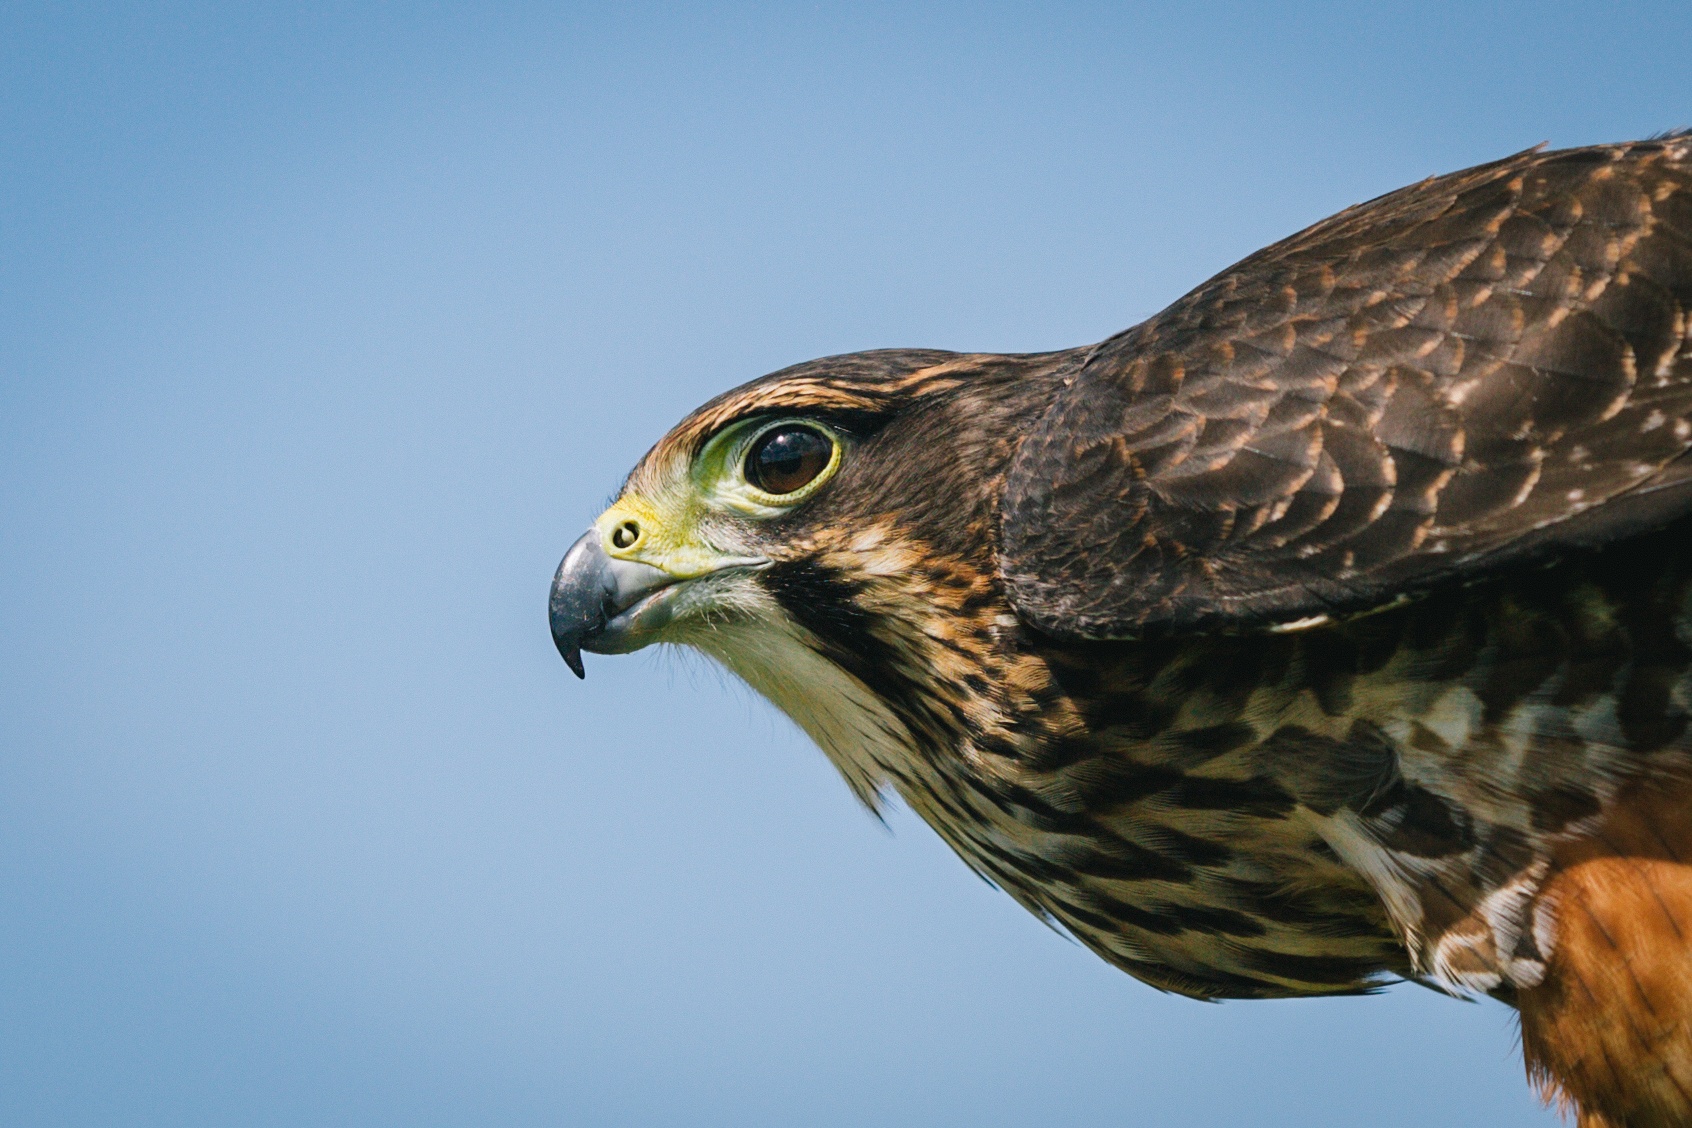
x,y
1609,1028
1335,624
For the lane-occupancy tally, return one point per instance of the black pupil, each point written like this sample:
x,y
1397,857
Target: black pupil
x,y
788,459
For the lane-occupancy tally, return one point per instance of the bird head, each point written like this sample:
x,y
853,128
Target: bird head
x,y
827,533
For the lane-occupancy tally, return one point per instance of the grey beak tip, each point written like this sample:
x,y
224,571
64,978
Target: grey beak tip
x,y
572,655
580,591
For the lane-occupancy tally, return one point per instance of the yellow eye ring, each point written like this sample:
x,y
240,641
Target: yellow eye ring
x,y
795,456
785,459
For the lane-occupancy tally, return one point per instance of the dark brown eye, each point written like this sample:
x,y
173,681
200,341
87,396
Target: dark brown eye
x,y
788,458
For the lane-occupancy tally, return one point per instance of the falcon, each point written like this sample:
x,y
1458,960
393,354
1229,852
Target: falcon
x,y
1331,627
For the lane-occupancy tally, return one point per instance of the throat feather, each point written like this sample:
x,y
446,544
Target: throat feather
x,y
854,728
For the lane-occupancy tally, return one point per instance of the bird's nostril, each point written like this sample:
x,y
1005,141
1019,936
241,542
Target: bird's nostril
x,y
624,535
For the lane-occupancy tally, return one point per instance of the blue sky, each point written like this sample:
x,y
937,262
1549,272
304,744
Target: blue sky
x,y
323,331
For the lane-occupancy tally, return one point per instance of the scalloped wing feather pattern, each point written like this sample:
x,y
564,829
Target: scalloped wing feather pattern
x,y
1465,372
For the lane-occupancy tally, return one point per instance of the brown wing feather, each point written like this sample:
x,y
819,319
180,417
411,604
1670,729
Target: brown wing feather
x,y
1453,375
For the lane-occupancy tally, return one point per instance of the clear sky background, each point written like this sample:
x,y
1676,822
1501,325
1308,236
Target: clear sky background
x,y
324,330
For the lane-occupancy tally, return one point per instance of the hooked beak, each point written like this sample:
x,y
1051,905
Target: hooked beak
x,y
595,601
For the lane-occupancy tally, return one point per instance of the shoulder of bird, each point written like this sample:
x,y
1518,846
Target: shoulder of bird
x,y
1333,624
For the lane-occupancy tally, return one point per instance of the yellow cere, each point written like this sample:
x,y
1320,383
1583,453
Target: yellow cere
x,y
665,537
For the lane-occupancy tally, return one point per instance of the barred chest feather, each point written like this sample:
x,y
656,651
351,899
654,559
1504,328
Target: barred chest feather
x,y
1260,815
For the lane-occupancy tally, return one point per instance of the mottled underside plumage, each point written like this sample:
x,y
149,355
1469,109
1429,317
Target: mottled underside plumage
x,y
1303,635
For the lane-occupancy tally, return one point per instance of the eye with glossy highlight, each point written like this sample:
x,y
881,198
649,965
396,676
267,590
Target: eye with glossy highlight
x,y
786,459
